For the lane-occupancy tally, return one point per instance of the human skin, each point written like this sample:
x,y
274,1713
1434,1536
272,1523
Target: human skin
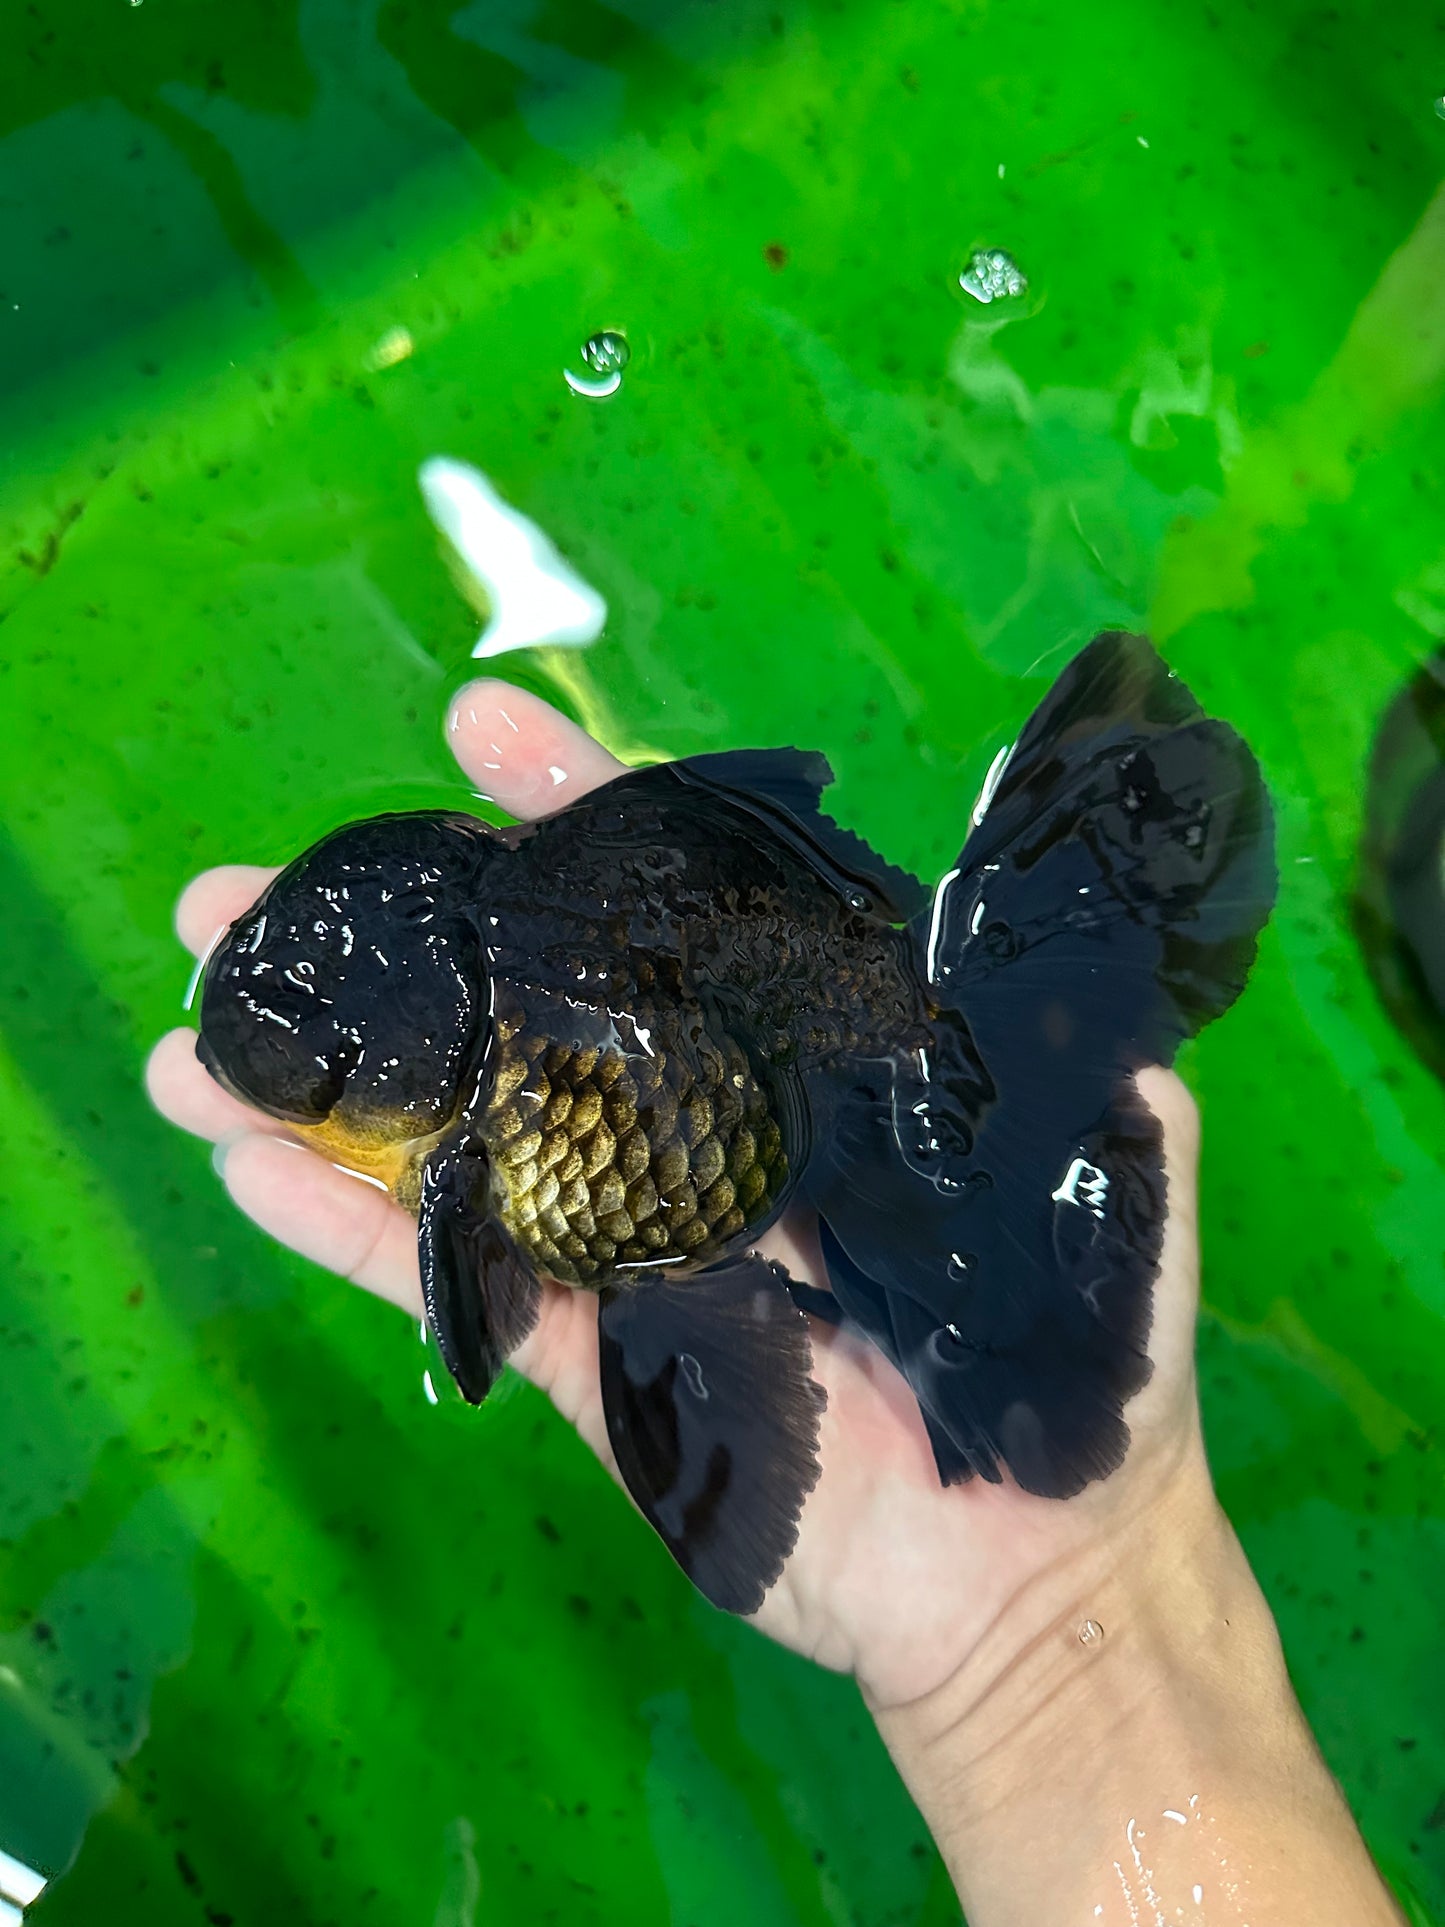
x,y
1086,1698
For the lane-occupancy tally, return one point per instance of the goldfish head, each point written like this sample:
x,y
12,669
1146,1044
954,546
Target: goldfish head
x,y
352,1000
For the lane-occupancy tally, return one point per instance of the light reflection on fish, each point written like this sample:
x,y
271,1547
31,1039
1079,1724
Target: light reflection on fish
x,y
610,1047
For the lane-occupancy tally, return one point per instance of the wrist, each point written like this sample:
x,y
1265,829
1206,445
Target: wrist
x,y
1123,1744
1156,1628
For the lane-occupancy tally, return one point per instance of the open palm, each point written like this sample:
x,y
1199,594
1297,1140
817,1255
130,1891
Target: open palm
x,y
894,1578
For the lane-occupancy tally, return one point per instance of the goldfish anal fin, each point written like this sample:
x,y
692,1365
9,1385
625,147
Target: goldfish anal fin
x,y
714,1419
482,1296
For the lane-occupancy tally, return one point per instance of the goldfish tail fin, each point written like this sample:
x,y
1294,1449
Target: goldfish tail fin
x,y
994,1205
1121,859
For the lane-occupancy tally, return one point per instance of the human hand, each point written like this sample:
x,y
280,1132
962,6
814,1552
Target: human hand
x,y
894,1578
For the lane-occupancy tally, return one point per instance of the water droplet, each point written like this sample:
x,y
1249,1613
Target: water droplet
x,y
856,900
1198,1894
960,1264
1090,1633
992,275
1002,942
605,355
1440,107
429,1389
692,1374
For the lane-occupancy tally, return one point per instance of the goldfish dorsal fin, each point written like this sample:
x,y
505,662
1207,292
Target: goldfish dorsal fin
x,y
784,788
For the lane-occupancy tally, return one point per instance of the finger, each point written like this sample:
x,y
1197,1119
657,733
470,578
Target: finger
x,y
328,1215
1176,1293
1169,1099
353,1228
211,902
521,752
560,1355
184,1091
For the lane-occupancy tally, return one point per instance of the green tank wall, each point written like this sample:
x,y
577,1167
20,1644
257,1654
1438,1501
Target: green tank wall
x,y
277,1640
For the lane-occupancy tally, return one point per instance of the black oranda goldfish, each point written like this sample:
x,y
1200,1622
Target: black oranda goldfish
x,y
609,1047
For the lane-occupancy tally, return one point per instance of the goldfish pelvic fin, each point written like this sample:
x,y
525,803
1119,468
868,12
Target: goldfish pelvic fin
x,y
482,1295
714,1419
783,788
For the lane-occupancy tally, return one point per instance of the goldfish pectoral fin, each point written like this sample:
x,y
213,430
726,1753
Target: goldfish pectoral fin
x,y
1018,1304
714,1419
482,1296
1119,871
783,788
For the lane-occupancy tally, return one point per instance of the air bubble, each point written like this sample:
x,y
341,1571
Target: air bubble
x,y
1090,1633
992,275
604,355
960,1264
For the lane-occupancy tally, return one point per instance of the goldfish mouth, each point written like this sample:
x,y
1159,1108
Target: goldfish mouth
x,y
383,1149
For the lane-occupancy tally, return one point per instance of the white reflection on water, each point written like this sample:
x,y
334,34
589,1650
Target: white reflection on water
x,y
532,594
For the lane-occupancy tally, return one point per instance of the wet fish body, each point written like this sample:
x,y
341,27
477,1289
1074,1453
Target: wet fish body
x,y
610,1047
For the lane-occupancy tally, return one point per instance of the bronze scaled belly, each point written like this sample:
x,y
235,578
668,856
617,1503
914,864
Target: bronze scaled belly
x,y
606,1158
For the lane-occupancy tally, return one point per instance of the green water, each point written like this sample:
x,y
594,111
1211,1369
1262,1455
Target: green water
x,y
277,1641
